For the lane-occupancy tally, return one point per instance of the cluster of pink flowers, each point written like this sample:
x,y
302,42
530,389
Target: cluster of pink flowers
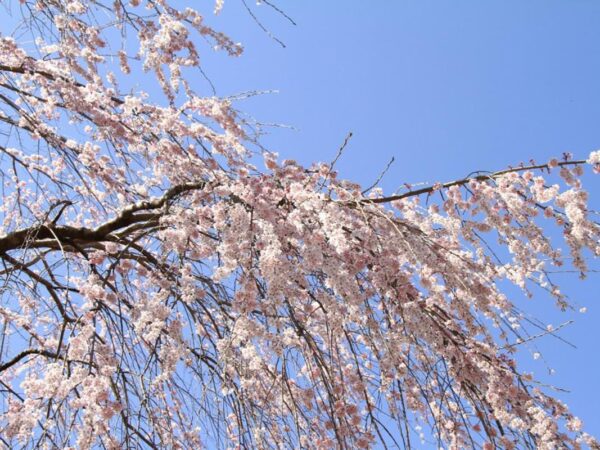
x,y
163,291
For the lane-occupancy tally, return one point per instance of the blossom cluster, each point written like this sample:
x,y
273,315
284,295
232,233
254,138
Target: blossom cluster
x,y
163,290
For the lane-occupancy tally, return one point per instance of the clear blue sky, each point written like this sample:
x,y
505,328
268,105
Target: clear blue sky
x,y
446,87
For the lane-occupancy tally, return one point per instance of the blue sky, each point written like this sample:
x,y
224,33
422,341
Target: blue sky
x,y
446,88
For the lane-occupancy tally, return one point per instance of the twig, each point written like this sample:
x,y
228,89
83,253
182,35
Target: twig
x,y
381,175
335,160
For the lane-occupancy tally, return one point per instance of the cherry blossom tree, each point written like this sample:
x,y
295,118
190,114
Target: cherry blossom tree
x,y
168,283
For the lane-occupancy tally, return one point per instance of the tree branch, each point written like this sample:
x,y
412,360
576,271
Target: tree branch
x,y
463,181
127,217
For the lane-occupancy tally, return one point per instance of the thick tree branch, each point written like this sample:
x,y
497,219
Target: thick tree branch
x,y
127,217
25,353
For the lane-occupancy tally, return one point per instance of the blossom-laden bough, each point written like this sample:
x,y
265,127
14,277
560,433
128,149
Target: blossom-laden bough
x,y
160,291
